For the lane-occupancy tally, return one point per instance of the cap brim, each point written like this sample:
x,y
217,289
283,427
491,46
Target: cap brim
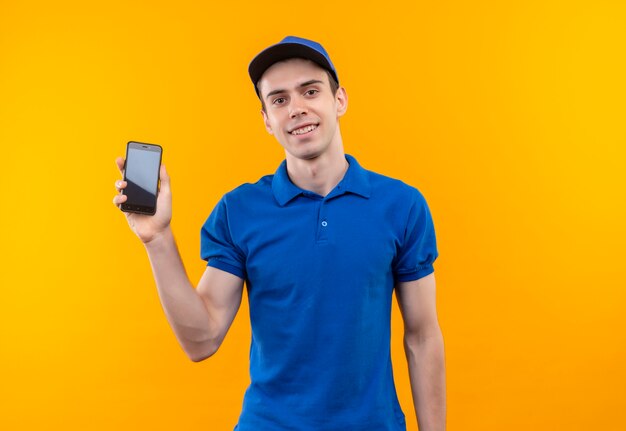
x,y
283,51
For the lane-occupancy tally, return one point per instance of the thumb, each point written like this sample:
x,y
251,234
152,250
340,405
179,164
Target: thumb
x,y
165,179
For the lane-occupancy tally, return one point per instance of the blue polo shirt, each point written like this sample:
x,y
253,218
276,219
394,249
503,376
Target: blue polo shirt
x,y
320,273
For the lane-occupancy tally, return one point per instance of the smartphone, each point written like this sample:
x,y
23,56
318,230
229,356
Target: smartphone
x,y
141,173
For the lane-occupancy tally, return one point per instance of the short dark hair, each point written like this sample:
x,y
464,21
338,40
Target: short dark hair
x,y
334,86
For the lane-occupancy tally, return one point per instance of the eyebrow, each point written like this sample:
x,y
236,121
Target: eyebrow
x,y
304,84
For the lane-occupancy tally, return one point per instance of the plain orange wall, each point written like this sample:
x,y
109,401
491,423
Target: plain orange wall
x,y
508,116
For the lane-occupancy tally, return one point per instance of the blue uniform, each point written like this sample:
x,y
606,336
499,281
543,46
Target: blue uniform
x,y
320,273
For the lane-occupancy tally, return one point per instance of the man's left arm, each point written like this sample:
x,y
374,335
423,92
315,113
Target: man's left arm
x,y
424,348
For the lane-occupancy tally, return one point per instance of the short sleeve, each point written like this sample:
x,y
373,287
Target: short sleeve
x,y
419,248
216,243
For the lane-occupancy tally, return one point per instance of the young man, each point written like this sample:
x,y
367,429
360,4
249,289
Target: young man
x,y
321,245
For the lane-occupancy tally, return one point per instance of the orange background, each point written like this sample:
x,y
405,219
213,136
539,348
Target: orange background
x,y
508,116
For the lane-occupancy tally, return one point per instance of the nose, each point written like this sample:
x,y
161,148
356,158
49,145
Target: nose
x,y
297,108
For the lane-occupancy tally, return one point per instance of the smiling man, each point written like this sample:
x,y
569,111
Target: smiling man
x,y
321,245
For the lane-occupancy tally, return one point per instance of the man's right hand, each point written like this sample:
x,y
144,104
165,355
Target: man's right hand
x,y
147,227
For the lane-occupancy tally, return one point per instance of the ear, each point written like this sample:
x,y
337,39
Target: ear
x,y
266,120
342,101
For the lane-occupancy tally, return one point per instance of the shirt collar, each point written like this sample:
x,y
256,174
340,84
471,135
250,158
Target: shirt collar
x,y
356,180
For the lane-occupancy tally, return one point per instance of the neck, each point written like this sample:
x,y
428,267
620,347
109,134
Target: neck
x,y
319,175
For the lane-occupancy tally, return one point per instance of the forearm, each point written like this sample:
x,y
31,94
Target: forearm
x,y
184,309
426,361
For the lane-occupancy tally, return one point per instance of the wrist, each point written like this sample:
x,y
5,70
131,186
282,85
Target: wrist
x,y
159,238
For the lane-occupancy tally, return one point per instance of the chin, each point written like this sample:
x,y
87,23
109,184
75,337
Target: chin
x,y
307,153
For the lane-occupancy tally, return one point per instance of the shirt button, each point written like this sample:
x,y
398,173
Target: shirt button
x,y
324,223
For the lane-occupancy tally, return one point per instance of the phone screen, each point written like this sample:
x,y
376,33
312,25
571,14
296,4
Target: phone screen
x,y
141,173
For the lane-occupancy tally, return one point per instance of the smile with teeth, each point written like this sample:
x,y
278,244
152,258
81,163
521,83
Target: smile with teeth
x,y
303,130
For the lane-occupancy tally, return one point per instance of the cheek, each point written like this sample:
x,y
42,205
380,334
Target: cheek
x,y
276,121
272,123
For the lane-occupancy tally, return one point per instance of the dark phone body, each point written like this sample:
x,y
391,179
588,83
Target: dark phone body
x,y
141,173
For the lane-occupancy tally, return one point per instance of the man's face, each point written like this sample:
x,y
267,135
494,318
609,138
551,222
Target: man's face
x,y
301,111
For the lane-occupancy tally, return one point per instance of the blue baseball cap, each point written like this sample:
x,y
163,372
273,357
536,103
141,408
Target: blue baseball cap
x,y
289,47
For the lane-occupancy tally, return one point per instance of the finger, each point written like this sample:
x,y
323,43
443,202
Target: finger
x,y
120,164
119,199
120,184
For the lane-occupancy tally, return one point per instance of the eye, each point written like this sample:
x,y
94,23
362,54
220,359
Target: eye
x,y
311,92
279,101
